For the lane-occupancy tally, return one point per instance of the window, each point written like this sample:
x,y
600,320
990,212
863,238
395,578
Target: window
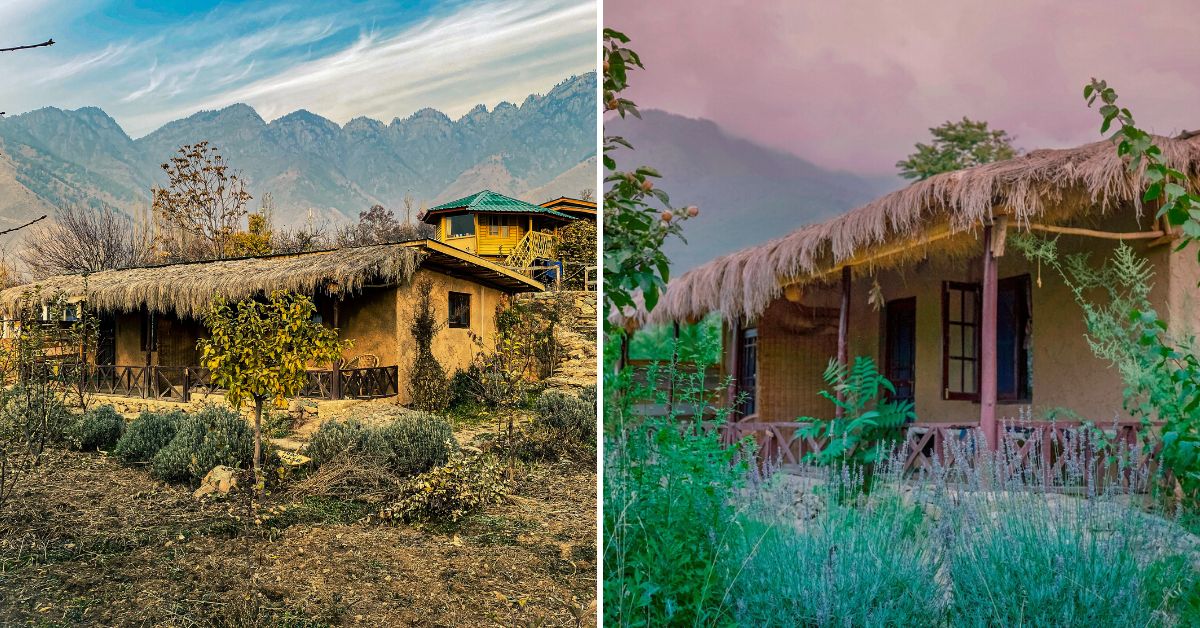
x,y
748,371
960,340
461,225
501,225
460,310
961,319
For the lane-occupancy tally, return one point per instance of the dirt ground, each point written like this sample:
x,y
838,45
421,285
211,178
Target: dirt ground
x,y
89,542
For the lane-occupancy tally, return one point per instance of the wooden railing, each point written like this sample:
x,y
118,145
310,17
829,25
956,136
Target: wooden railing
x,y
180,383
1051,447
533,246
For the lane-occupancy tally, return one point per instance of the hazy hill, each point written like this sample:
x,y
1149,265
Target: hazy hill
x,y
747,193
50,156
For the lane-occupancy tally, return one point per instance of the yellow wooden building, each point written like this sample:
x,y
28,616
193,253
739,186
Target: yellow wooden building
x,y
499,228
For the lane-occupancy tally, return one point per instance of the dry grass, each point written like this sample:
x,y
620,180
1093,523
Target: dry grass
x,y
189,289
88,542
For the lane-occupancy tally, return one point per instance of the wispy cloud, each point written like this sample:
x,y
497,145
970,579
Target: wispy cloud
x,y
375,58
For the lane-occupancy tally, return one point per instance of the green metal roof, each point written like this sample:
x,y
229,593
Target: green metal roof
x,y
489,201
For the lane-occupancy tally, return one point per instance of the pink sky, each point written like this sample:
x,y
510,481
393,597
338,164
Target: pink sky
x,y
853,84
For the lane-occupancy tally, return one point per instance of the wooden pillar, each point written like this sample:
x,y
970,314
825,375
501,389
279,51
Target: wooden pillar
x,y
843,345
735,373
987,342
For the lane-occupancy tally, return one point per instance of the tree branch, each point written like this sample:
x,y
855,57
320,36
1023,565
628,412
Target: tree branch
x,y
48,42
24,225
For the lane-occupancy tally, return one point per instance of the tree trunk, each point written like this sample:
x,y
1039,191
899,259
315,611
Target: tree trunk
x,y
257,462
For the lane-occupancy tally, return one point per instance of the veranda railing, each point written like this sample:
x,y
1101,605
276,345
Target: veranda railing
x,y
180,383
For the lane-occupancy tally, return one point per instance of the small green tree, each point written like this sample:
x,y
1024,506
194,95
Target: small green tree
x,y
427,381
957,145
259,350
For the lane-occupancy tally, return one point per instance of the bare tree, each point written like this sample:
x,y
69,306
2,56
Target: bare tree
x,y
310,236
378,226
201,208
81,239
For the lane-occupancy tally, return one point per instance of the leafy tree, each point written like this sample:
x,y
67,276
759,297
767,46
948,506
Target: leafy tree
x,y
259,351
202,206
957,145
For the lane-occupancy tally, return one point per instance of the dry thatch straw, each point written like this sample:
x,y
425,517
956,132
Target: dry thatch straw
x,y
190,288
349,477
1051,186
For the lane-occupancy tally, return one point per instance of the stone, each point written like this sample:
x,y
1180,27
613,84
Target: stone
x,y
218,481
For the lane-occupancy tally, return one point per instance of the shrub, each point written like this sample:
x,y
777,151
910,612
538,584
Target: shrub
x,y
413,443
418,443
146,435
98,429
568,415
34,415
338,439
211,437
448,493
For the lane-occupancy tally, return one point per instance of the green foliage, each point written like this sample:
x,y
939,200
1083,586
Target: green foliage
x,y
97,429
211,437
957,145
146,435
447,493
870,424
407,446
668,523
634,229
428,385
698,343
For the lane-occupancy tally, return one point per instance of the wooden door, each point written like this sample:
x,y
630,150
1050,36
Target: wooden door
x,y
900,346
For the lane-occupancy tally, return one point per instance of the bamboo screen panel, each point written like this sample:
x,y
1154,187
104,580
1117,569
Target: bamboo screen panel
x,y
791,362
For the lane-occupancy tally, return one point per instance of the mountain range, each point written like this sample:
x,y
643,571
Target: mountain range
x,y
541,149
747,193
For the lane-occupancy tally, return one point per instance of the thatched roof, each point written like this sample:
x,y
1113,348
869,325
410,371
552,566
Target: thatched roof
x,y
189,288
1047,186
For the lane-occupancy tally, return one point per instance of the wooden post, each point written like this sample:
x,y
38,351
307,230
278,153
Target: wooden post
x,y
843,346
187,384
735,374
987,341
335,386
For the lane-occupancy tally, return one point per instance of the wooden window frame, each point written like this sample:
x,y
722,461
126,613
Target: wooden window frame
x,y
977,290
456,322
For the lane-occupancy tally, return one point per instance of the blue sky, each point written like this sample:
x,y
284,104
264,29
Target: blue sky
x,y
147,63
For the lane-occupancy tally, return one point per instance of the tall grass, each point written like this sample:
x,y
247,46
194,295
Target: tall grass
x,y
699,535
